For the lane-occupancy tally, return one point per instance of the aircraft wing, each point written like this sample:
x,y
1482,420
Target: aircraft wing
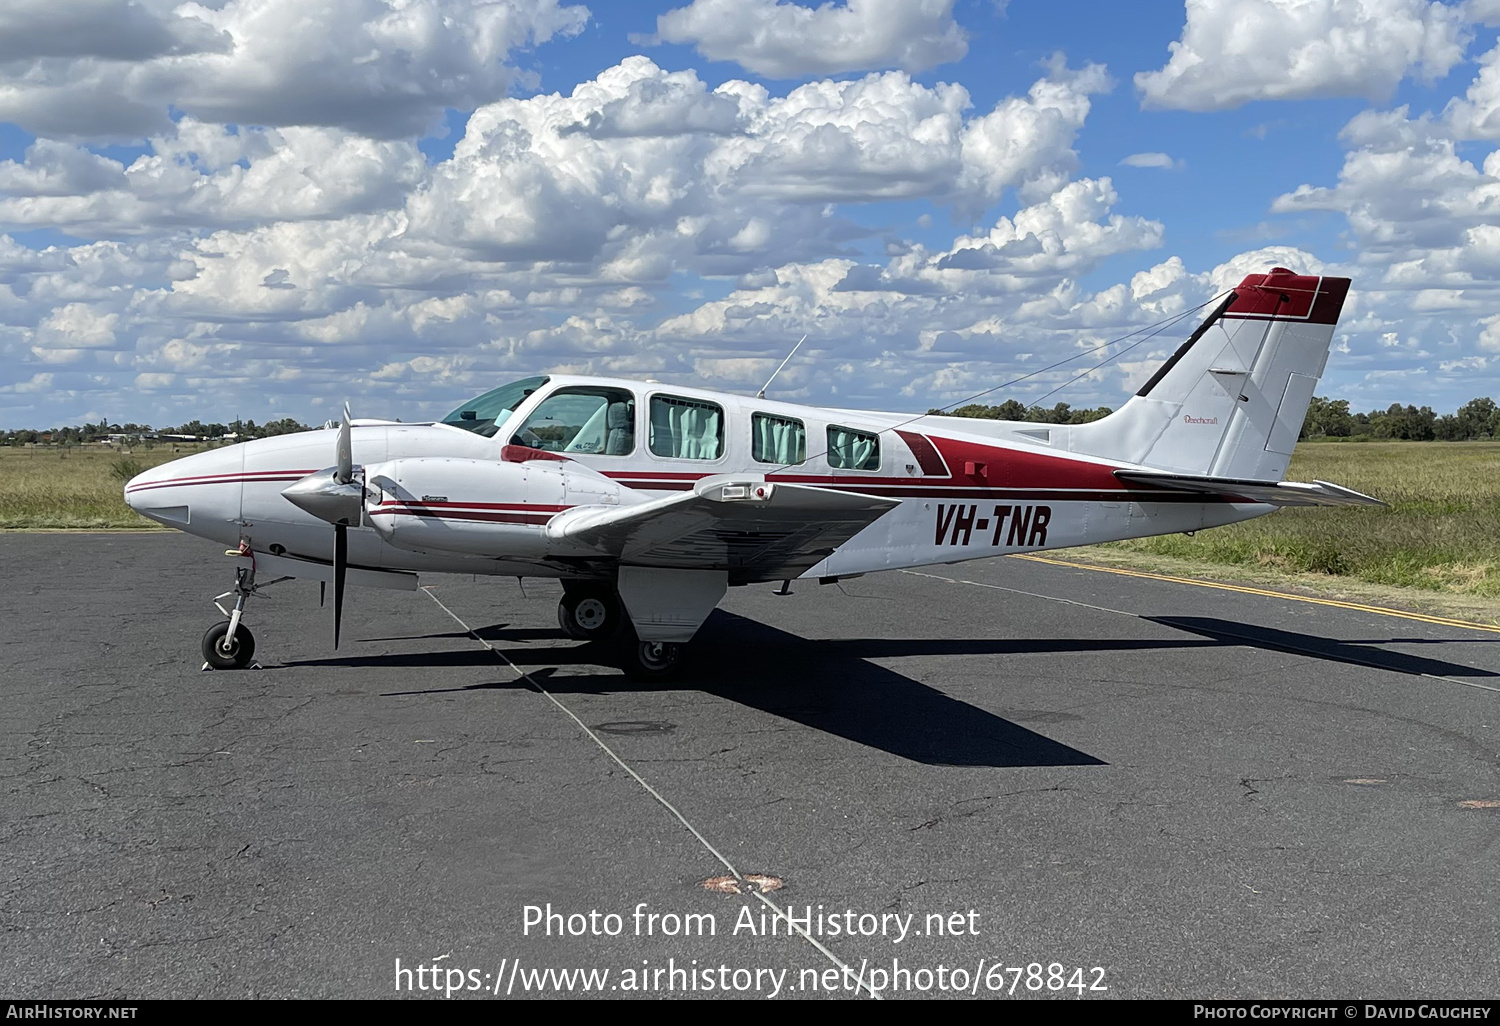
x,y
754,529
1277,493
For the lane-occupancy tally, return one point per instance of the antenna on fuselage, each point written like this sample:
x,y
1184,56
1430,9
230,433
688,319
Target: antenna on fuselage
x,y
762,393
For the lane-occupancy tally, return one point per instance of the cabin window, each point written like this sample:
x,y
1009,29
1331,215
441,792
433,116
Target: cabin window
x,y
777,440
597,421
849,449
686,429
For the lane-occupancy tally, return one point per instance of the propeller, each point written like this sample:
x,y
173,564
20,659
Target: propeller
x,y
336,495
343,474
340,565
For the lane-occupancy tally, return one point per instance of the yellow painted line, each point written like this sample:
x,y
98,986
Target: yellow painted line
x,y
1441,621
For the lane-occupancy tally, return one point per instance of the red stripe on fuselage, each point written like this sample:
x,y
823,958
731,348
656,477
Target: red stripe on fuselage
x,y
479,516
211,479
998,472
523,507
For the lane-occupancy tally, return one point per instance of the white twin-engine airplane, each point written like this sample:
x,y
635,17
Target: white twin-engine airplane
x,y
648,501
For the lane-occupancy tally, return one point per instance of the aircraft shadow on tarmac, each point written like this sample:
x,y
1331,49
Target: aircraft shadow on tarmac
x,y
1360,652
826,685
830,685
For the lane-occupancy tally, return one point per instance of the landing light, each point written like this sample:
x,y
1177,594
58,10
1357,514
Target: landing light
x,y
747,492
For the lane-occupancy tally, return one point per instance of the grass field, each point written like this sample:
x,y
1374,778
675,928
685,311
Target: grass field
x,y
1440,536
75,488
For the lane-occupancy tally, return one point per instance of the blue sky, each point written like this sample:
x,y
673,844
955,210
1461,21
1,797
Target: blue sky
x,y
264,209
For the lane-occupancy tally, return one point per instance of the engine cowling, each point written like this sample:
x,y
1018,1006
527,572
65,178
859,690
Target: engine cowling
x,y
479,507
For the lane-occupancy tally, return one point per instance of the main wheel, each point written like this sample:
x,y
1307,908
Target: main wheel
x,y
225,653
653,660
589,615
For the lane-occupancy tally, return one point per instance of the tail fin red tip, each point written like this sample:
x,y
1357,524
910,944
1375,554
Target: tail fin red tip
x,y
1284,295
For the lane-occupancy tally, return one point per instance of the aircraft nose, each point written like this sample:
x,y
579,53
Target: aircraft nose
x,y
138,488
202,487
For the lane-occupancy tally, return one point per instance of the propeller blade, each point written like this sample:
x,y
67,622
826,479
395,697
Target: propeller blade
x,y
344,472
340,563
322,592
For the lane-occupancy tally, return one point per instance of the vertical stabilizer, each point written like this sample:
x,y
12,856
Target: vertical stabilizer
x,y
1230,402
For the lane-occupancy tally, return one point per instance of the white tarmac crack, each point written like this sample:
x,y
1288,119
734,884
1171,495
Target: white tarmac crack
x,y
849,973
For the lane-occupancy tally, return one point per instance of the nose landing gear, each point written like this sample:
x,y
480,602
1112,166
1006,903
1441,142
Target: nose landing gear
x,y
230,645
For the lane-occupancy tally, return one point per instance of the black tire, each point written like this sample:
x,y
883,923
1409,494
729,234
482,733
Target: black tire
x,y
653,660
233,655
565,621
591,614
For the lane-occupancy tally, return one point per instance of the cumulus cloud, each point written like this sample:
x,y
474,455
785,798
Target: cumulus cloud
x,y
79,325
300,263
384,68
122,30
640,170
1233,52
1029,140
1477,115
207,176
1405,191
778,39
1069,233
985,305
1160,160
1423,225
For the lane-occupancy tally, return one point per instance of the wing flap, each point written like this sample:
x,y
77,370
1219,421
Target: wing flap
x,y
754,529
1276,493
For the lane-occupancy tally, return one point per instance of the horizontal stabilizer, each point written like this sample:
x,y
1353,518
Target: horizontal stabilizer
x,y
755,530
1276,493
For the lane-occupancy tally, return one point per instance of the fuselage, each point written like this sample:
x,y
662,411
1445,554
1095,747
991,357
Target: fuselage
x,y
966,489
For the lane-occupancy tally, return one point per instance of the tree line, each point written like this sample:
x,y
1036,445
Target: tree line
x,y
1011,409
1331,418
137,433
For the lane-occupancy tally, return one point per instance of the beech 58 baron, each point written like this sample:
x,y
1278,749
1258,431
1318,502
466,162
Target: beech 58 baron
x,y
648,500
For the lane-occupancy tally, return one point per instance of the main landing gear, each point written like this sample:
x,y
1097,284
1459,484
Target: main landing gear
x,y
653,660
589,612
593,612
230,645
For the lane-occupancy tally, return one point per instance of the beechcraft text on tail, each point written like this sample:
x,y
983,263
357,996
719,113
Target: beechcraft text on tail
x,y
648,500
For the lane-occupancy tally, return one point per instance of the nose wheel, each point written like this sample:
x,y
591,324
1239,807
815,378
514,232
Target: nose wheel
x,y
228,646
589,614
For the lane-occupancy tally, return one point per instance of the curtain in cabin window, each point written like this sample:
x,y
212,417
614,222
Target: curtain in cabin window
x,y
777,440
686,429
852,450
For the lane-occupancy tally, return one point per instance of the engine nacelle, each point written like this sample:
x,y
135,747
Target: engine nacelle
x,y
478,507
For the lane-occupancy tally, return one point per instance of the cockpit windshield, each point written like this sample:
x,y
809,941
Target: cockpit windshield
x,y
483,414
